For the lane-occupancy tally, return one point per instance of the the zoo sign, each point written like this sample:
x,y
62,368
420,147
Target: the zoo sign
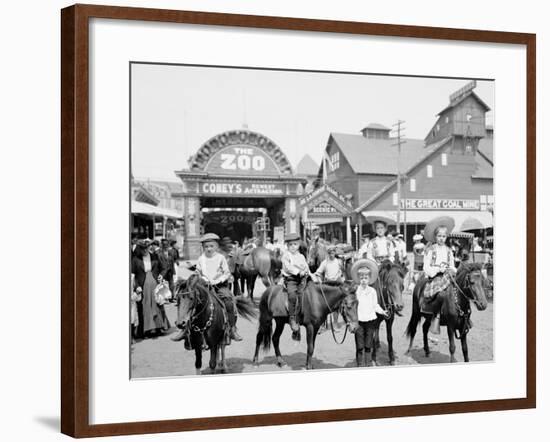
x,y
242,160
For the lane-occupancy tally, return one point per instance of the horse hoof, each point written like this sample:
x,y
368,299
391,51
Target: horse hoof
x,y
427,354
197,371
281,362
392,362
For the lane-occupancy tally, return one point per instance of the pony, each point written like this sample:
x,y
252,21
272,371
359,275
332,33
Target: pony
x,y
454,305
389,288
318,302
260,262
202,313
316,253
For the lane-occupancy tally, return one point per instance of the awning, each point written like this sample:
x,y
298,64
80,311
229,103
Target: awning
x,y
482,219
320,221
467,235
148,209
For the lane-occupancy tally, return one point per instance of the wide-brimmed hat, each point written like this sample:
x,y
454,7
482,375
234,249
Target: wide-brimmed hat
x,y
440,221
209,237
362,264
292,237
417,237
332,248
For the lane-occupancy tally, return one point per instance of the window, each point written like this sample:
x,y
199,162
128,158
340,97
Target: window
x,y
394,198
468,148
430,171
443,159
335,160
413,185
437,128
447,119
468,117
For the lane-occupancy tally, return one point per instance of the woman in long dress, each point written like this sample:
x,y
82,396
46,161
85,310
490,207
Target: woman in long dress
x,y
146,268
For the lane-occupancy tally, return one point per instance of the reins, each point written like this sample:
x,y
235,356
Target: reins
x,y
331,321
466,315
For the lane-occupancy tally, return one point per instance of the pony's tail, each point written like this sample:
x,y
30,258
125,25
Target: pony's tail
x,y
265,324
415,315
246,308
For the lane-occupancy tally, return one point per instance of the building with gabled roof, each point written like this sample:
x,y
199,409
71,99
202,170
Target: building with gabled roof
x,y
449,172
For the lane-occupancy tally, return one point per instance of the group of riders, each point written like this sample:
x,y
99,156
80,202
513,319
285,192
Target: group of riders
x,y
437,264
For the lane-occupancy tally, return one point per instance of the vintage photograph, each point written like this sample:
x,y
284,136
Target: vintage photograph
x,y
289,220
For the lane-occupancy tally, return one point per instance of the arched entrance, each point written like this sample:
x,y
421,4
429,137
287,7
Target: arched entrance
x,y
238,174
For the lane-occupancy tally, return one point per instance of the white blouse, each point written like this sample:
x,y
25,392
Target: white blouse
x,y
435,256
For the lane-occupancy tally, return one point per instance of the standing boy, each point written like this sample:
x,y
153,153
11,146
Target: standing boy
x,y
365,272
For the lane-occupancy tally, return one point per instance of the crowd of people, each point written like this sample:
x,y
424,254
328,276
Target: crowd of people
x,y
153,272
154,265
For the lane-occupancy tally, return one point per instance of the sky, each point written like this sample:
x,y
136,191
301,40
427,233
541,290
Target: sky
x,y
175,109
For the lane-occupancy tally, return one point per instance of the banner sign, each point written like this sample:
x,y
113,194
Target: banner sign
x,y
229,217
440,204
242,160
323,208
242,189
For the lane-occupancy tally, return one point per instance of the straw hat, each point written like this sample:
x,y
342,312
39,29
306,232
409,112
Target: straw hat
x,y
362,264
440,221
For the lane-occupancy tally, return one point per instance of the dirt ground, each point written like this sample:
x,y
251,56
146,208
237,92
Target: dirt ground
x,y
159,357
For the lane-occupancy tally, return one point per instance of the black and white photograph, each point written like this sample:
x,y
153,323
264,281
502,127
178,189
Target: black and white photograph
x,y
288,220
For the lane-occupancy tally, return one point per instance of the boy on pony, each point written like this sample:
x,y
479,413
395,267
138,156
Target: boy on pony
x,y
212,267
295,272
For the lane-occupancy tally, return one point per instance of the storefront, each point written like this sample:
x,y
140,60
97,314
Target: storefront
x,y
235,178
330,211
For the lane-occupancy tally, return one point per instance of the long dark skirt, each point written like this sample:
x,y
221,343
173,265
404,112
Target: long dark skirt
x,y
154,316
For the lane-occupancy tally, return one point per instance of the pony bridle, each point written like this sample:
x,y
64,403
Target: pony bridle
x,y
468,286
194,316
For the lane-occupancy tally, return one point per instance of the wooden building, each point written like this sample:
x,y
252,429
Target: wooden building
x,y
449,172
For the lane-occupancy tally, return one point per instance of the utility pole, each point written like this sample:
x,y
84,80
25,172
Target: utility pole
x,y
399,143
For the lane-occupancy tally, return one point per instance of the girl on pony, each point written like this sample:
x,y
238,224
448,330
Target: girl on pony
x,y
438,260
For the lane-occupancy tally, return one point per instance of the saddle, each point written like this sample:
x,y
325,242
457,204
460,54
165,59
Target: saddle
x,y
277,302
427,305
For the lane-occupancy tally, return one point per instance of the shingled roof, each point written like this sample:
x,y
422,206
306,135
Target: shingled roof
x,y
378,156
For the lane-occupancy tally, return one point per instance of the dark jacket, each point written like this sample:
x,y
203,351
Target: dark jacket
x,y
138,269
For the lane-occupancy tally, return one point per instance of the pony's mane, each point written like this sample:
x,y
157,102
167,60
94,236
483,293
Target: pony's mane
x,y
464,269
386,268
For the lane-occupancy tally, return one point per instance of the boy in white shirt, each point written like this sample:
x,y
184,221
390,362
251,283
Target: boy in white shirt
x,y
367,309
213,269
295,272
330,270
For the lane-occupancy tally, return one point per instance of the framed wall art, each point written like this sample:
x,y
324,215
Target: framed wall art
x,y
272,220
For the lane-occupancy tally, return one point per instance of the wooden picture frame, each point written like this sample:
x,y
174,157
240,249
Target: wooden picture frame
x,y
75,219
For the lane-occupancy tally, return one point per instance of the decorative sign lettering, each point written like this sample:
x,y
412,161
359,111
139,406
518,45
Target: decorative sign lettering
x,y
240,160
462,91
241,151
440,204
323,207
324,189
229,217
242,189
